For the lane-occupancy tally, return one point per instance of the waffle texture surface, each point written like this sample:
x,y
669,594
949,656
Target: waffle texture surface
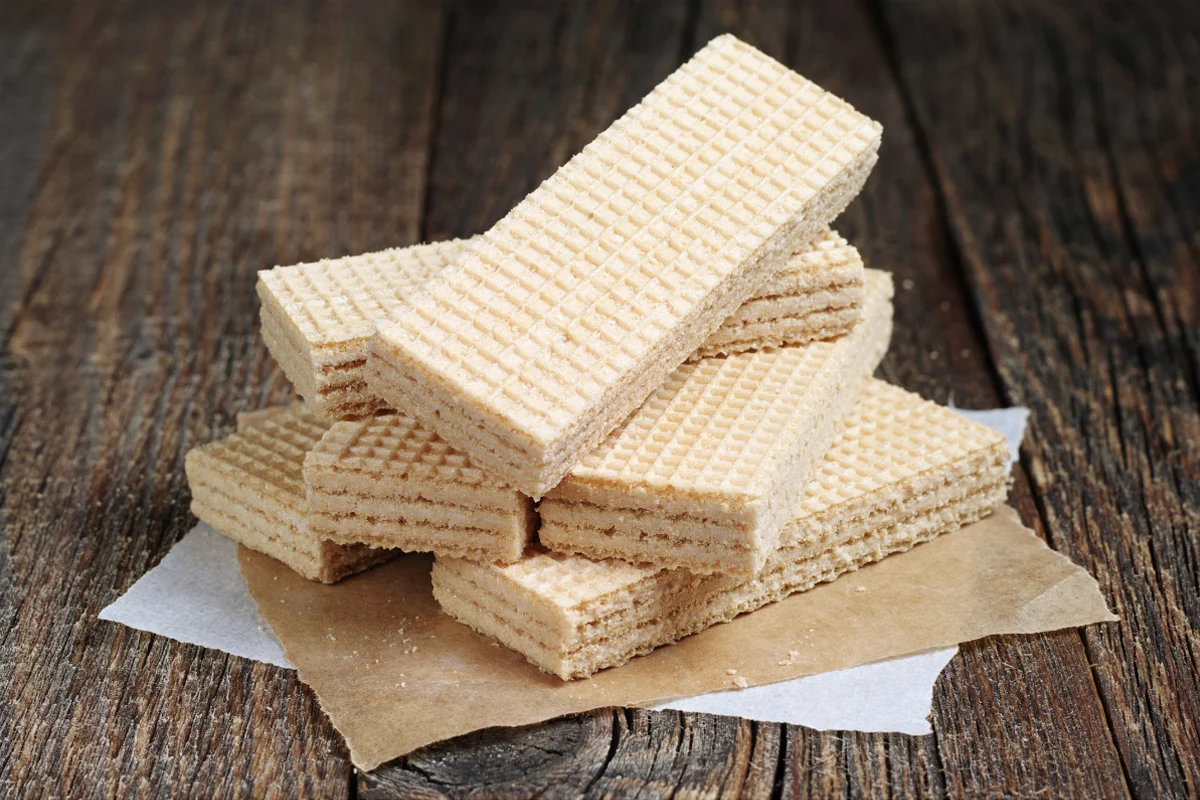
x,y
317,318
528,350
250,487
818,294
706,473
385,481
902,472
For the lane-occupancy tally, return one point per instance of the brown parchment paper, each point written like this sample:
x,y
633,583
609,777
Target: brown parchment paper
x,y
394,673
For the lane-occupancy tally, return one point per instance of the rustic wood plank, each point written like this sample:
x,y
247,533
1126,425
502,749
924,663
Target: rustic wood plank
x,y
553,759
27,84
1065,145
186,148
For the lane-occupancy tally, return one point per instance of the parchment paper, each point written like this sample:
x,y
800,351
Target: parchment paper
x,y
197,594
394,673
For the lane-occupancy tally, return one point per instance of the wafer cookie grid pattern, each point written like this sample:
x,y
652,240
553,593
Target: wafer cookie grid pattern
x,y
395,443
338,300
715,424
250,487
544,271
572,616
627,242
317,318
388,482
890,439
270,451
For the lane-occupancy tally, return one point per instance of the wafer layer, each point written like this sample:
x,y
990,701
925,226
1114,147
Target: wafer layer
x,y
386,482
575,307
317,318
818,294
903,472
249,487
706,473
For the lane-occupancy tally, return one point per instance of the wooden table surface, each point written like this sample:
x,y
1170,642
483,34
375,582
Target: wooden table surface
x,y
1037,196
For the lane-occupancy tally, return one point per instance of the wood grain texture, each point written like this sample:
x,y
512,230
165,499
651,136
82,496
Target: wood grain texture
x,y
181,148
1038,197
1070,169
578,67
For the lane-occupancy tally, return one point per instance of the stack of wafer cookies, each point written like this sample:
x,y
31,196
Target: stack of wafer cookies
x,y
902,472
637,406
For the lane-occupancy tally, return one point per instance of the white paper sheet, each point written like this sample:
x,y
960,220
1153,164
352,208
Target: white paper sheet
x,y
197,595
892,696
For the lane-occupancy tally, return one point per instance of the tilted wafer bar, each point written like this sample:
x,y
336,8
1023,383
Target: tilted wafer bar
x,y
249,487
531,348
318,317
386,482
706,473
818,294
903,472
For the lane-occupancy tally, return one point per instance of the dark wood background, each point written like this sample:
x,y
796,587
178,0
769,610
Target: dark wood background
x,y
1038,197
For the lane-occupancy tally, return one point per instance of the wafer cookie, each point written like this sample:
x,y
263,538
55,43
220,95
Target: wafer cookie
x,y
385,481
818,294
705,474
528,350
249,487
902,472
318,317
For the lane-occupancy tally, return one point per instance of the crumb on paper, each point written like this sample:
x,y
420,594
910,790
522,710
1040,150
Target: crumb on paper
x,y
791,659
740,682
332,638
731,672
860,588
